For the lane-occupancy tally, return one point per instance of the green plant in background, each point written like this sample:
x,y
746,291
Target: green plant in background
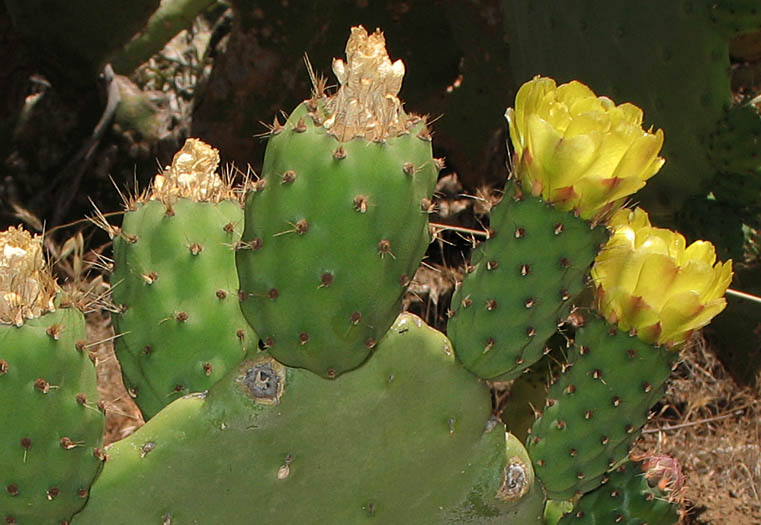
x,y
343,415
52,427
647,55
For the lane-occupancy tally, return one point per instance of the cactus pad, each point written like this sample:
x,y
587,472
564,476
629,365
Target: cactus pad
x,y
176,284
522,285
596,408
51,425
403,439
626,498
332,241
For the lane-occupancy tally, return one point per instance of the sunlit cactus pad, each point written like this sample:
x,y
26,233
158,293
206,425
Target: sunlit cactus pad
x,y
176,286
522,285
404,439
52,426
331,244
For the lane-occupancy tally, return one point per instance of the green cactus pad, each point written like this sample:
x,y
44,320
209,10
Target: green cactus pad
x,y
407,438
596,408
626,498
735,17
181,328
51,425
521,286
734,151
525,495
527,394
334,233
644,54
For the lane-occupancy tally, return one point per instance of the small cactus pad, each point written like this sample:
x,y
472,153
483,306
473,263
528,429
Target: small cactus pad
x,y
180,324
526,395
334,233
338,223
521,286
407,438
596,408
51,427
627,497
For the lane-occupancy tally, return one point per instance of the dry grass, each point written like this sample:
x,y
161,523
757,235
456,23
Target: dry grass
x,y
122,415
713,427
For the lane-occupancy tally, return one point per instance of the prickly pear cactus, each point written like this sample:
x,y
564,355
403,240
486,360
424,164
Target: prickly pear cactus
x,y
596,407
521,286
653,290
337,225
577,156
180,326
633,496
300,449
51,429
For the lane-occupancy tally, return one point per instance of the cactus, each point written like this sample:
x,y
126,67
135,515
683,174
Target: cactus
x,y
340,414
51,427
653,289
596,408
575,152
308,450
175,283
631,497
338,223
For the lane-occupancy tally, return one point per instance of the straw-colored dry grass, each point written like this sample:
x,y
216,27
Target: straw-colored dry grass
x,y
713,427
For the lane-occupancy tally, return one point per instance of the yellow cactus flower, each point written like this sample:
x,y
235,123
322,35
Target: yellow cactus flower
x,y
579,151
648,280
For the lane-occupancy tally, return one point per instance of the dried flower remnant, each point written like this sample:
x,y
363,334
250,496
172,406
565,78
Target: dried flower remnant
x,y
367,103
192,175
27,288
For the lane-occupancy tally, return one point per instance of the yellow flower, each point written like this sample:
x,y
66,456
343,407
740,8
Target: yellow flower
x,y
579,151
648,280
